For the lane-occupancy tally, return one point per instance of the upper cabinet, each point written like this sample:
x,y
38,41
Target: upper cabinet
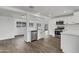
x,y
59,22
20,24
31,24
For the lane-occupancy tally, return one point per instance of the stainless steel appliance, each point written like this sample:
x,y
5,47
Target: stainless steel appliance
x,y
59,29
34,35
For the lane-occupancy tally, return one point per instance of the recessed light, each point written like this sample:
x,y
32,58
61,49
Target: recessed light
x,y
65,11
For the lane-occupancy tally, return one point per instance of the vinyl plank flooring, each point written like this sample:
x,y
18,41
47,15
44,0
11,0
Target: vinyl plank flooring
x,y
18,45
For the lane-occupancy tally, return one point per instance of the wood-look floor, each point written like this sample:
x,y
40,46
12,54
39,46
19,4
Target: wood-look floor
x,y
18,45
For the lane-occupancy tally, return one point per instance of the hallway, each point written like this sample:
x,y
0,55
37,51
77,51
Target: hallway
x,y
18,45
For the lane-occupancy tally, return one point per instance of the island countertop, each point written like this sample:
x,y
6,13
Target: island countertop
x,y
72,32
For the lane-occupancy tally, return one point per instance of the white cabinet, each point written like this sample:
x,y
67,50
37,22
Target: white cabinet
x,y
70,43
70,39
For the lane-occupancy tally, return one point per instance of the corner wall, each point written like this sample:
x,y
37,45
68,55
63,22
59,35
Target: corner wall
x,y
7,28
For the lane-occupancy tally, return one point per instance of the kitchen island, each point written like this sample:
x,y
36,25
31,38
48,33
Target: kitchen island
x,y
70,42
70,39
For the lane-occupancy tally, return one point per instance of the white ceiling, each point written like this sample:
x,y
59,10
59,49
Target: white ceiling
x,y
49,11
13,12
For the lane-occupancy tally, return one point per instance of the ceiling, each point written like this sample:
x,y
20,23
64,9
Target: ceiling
x,y
48,11
13,12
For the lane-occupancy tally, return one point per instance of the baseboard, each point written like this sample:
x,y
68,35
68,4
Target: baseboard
x,y
6,38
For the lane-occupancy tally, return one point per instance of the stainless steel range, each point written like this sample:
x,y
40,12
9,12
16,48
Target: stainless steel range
x,y
59,29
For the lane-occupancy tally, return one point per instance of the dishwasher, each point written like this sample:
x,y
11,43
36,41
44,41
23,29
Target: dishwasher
x,y
33,35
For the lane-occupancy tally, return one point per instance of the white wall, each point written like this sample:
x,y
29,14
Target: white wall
x,y
20,30
7,27
72,27
52,26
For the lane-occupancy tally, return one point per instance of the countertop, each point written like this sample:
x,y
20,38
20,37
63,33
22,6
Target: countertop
x,y
72,32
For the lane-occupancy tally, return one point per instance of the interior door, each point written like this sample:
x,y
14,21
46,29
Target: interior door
x,y
33,35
